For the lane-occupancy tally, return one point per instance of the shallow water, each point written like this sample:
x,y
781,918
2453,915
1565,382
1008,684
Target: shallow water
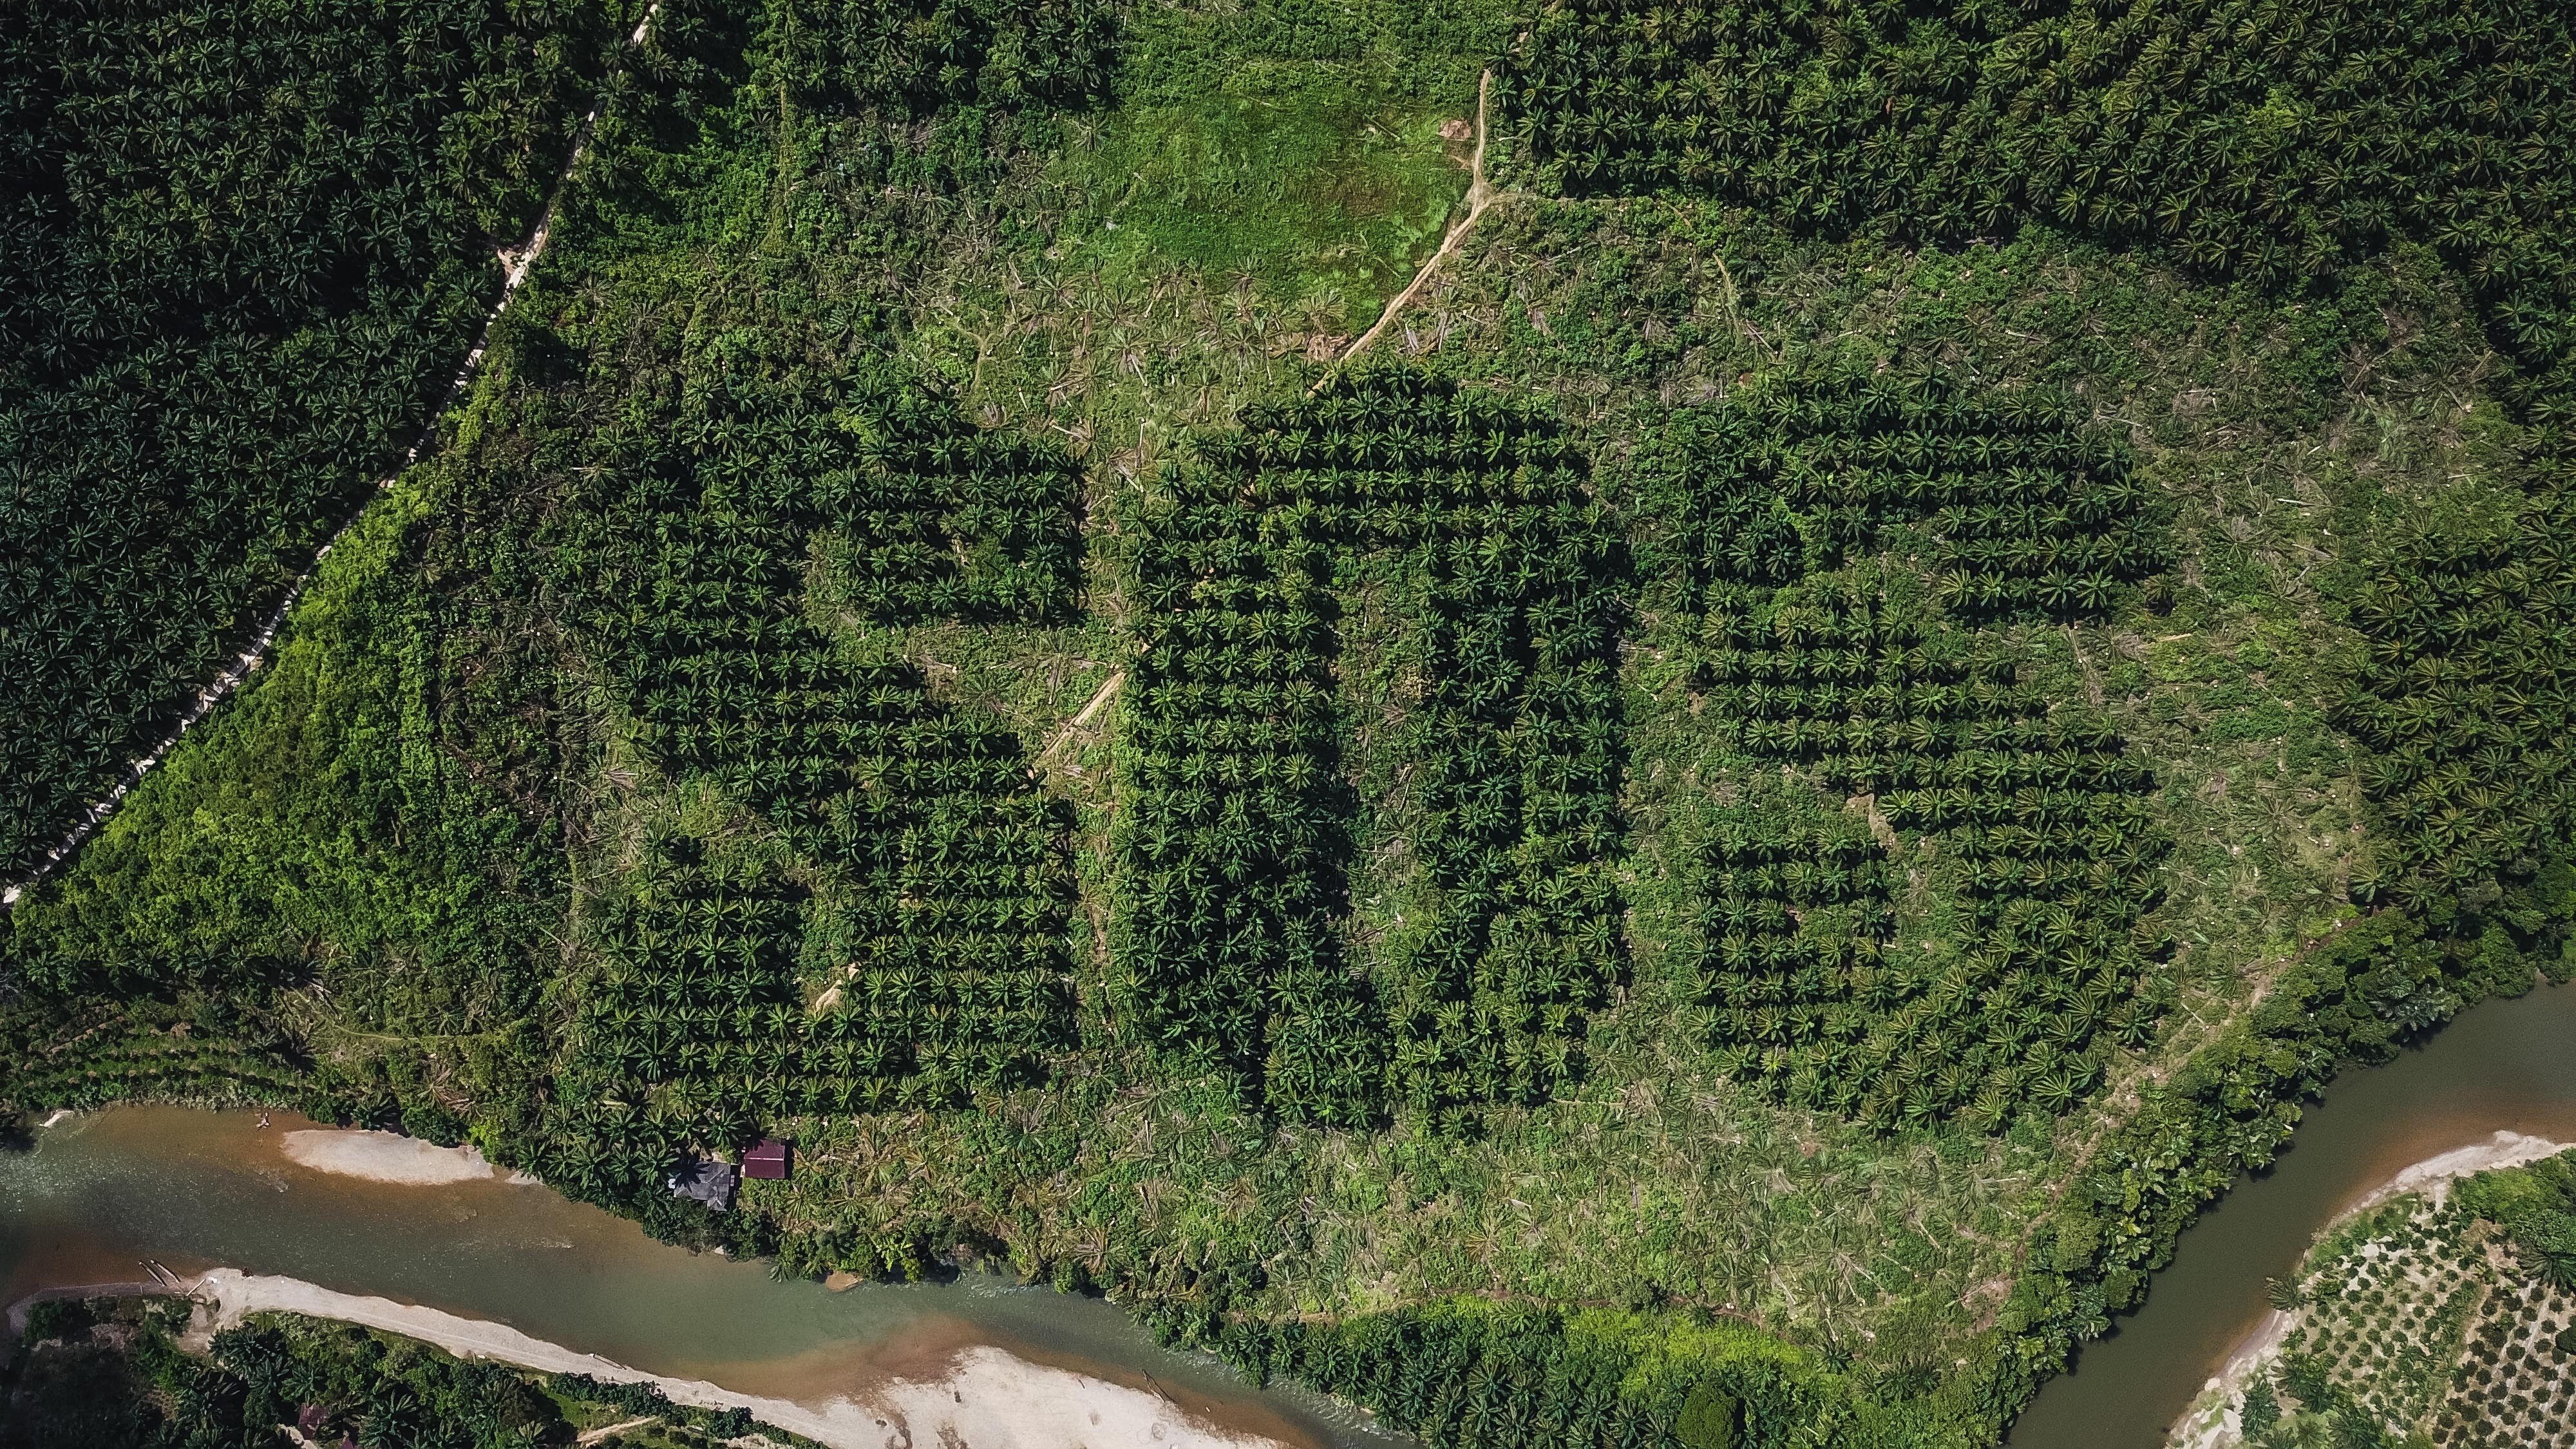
x,y
104,1192
2501,1066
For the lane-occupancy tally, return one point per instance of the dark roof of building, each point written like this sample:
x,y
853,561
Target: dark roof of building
x,y
768,1160
704,1179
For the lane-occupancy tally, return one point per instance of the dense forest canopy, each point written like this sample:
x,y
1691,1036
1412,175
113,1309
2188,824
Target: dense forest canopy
x,y
242,251
1936,616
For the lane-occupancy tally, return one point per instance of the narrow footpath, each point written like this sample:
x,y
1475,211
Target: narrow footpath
x,y
1480,195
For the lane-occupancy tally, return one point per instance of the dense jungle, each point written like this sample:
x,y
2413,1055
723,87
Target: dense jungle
x,y
1612,723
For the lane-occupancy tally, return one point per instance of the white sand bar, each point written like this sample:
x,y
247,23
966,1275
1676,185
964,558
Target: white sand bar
x,y
385,1157
987,1399
2434,1175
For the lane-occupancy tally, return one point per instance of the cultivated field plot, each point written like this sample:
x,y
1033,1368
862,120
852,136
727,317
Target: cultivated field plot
x,y
2445,1317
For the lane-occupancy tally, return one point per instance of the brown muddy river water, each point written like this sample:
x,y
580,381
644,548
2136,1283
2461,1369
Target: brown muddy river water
x,y
2503,1065
103,1192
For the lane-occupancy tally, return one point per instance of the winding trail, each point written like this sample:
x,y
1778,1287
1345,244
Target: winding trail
x,y
516,262
1480,195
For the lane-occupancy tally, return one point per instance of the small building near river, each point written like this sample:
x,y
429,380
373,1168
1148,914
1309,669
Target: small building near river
x,y
768,1160
704,1179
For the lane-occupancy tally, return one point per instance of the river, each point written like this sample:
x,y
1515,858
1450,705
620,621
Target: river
x,y
2501,1065
105,1191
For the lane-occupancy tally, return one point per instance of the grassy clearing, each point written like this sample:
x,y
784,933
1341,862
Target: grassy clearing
x,y
2271,427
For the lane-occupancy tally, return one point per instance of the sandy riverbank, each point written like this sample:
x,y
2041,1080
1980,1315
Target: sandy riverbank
x,y
983,1398
2434,1175
2211,1422
384,1157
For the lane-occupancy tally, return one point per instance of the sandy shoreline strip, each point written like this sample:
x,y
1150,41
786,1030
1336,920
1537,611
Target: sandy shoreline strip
x,y
985,1398
2434,1175
384,1157
236,1295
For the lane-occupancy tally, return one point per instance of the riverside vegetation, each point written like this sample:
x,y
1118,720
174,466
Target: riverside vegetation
x,y
1938,616
109,1373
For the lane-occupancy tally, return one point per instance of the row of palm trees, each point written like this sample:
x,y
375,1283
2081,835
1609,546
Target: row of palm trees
x,y
245,247
1897,685
1919,706
151,1066
1951,461
1232,853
